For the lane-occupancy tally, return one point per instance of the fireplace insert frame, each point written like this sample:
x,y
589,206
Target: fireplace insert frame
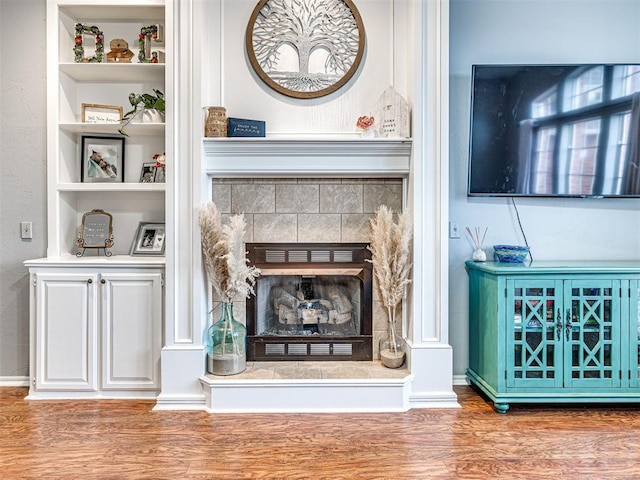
x,y
318,258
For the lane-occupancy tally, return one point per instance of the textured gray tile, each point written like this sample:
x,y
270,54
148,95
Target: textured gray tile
x,y
341,198
275,227
252,198
275,181
297,198
319,228
297,372
221,196
355,227
320,181
382,194
346,371
233,180
361,181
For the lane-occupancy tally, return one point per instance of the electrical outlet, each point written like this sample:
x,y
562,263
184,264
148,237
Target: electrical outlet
x,y
454,230
26,230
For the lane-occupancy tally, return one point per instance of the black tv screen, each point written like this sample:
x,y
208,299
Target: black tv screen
x,y
555,130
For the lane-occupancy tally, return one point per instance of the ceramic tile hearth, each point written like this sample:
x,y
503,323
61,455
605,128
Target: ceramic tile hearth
x,y
308,370
309,386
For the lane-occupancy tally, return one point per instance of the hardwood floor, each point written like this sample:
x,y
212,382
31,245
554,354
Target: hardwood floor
x,y
113,439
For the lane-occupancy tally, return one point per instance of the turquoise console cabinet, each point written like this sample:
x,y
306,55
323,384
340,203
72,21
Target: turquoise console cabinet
x,y
554,331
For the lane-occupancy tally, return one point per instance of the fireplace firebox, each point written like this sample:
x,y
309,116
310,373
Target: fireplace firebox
x,y
312,302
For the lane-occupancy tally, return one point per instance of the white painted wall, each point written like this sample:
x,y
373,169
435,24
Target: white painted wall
x,y
22,171
234,84
481,31
533,31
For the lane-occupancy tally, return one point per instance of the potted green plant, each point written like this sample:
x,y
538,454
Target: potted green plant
x,y
150,105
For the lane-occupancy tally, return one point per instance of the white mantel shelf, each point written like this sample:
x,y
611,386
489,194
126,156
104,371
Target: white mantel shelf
x,y
296,157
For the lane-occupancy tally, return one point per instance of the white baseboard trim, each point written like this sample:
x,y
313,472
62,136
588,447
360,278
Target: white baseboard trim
x,y
180,402
14,381
460,380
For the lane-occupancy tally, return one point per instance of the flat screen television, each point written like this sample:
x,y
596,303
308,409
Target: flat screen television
x,y
555,130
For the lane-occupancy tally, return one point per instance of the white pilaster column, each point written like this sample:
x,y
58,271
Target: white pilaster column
x,y
182,361
430,356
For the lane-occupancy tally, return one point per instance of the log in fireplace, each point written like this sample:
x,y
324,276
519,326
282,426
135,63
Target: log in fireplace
x,y
312,301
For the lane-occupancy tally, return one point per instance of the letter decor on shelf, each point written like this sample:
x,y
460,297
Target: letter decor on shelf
x,y
147,34
240,127
78,47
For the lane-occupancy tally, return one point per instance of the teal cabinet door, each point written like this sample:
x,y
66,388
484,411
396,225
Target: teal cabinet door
x,y
592,333
534,345
634,333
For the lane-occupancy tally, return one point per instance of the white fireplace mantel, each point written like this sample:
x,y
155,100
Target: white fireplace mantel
x,y
420,69
303,157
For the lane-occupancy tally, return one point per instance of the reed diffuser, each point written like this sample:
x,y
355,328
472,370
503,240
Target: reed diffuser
x,y
479,254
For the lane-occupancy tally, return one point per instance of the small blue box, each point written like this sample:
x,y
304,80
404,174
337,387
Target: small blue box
x,y
241,127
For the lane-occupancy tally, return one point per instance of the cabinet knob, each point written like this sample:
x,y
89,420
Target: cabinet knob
x,y
90,281
103,281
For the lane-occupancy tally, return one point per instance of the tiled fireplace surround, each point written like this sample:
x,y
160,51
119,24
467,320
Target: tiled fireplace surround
x,y
309,210
321,190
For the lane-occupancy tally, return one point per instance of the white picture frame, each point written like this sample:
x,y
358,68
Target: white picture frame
x,y
149,239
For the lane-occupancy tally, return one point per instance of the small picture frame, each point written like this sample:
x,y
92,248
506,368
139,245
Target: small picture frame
x,y
148,172
102,159
96,232
161,174
96,113
149,239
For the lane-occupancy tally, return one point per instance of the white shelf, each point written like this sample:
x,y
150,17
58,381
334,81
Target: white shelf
x,y
114,72
133,129
91,259
111,187
121,11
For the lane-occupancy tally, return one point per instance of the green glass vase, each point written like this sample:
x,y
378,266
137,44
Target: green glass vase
x,y
226,344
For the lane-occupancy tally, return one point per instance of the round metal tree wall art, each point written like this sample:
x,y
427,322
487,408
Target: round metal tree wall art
x,y
305,48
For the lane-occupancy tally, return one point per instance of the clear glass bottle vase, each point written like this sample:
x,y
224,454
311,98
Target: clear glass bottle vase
x,y
226,344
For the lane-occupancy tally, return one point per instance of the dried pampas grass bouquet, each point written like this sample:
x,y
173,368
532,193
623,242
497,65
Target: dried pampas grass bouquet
x,y
225,259
390,245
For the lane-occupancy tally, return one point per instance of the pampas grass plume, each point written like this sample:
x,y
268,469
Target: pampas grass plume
x,y
226,265
390,246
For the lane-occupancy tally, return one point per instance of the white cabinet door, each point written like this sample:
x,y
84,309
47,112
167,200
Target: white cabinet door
x,y
131,330
66,333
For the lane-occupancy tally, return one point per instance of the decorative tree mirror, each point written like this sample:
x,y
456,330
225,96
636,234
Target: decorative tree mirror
x,y
305,48
96,231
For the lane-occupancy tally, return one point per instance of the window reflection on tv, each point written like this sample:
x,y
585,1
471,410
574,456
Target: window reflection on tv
x,y
549,130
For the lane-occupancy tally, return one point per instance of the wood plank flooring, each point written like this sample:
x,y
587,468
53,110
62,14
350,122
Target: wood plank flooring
x,y
114,439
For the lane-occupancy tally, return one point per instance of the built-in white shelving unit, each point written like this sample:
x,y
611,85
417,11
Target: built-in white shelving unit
x,y
96,321
70,84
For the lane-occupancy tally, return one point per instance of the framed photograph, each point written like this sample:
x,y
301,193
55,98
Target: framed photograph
x,y
94,113
148,173
102,159
149,239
